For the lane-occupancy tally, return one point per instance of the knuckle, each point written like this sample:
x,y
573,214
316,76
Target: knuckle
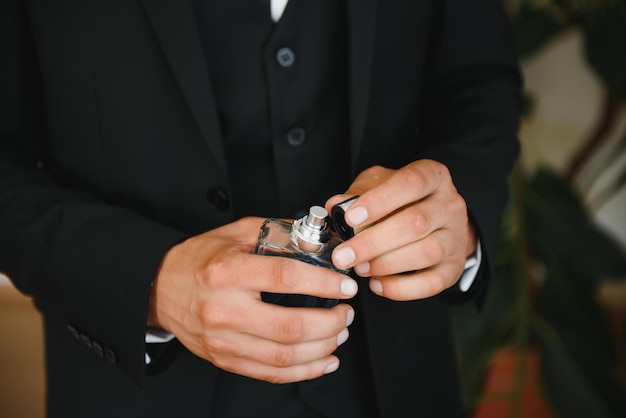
x,y
441,169
284,357
214,345
438,168
214,274
433,253
215,316
283,274
417,222
373,171
457,262
416,177
458,204
425,172
291,330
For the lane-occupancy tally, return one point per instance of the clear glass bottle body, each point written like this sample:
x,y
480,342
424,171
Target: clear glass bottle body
x,y
300,241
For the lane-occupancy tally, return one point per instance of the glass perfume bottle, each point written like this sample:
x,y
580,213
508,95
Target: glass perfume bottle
x,y
309,239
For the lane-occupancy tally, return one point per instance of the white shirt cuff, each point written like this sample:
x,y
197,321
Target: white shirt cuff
x,y
472,264
157,335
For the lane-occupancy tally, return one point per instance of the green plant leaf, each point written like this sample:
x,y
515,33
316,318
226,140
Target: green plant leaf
x,y
605,38
478,335
560,225
534,27
580,362
567,303
576,384
576,255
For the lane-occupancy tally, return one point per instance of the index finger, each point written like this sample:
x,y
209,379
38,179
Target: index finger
x,y
408,185
289,276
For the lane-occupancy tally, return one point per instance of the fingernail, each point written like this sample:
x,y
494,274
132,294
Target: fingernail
x,y
332,367
362,268
344,257
376,286
350,317
356,216
343,337
349,287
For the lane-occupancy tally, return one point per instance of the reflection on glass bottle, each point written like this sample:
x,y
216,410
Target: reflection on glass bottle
x,y
308,239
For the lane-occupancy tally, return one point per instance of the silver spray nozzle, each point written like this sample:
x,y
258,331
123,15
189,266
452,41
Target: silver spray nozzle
x,y
310,233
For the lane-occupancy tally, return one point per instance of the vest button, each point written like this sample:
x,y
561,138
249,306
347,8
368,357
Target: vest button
x,y
73,331
296,136
218,198
285,57
109,355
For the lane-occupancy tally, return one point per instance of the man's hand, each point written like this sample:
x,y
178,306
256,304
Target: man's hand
x,y
208,293
418,233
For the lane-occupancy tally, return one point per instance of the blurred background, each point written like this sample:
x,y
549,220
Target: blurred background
x,y
551,339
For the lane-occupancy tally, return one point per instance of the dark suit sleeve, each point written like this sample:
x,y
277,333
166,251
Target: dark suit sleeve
x,y
89,263
470,113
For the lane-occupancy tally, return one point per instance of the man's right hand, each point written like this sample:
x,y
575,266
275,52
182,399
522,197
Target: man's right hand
x,y
208,294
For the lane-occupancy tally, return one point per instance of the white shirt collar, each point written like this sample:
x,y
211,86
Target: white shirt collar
x,y
277,7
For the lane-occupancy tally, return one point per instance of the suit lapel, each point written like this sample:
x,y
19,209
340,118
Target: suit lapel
x,y
176,28
378,313
361,31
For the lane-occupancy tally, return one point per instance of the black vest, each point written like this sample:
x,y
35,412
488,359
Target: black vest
x,y
282,100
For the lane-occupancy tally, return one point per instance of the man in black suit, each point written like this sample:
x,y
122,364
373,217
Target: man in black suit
x,y
139,138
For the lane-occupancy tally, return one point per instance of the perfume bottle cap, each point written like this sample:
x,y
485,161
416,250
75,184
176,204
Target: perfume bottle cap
x,y
338,213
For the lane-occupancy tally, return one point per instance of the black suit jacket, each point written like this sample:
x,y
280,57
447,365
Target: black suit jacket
x,y
110,145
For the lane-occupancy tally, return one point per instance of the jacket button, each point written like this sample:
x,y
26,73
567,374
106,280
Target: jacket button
x,y
218,198
72,329
86,340
285,57
97,347
296,136
109,355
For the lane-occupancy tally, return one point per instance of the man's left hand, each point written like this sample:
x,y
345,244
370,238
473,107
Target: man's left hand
x,y
417,232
